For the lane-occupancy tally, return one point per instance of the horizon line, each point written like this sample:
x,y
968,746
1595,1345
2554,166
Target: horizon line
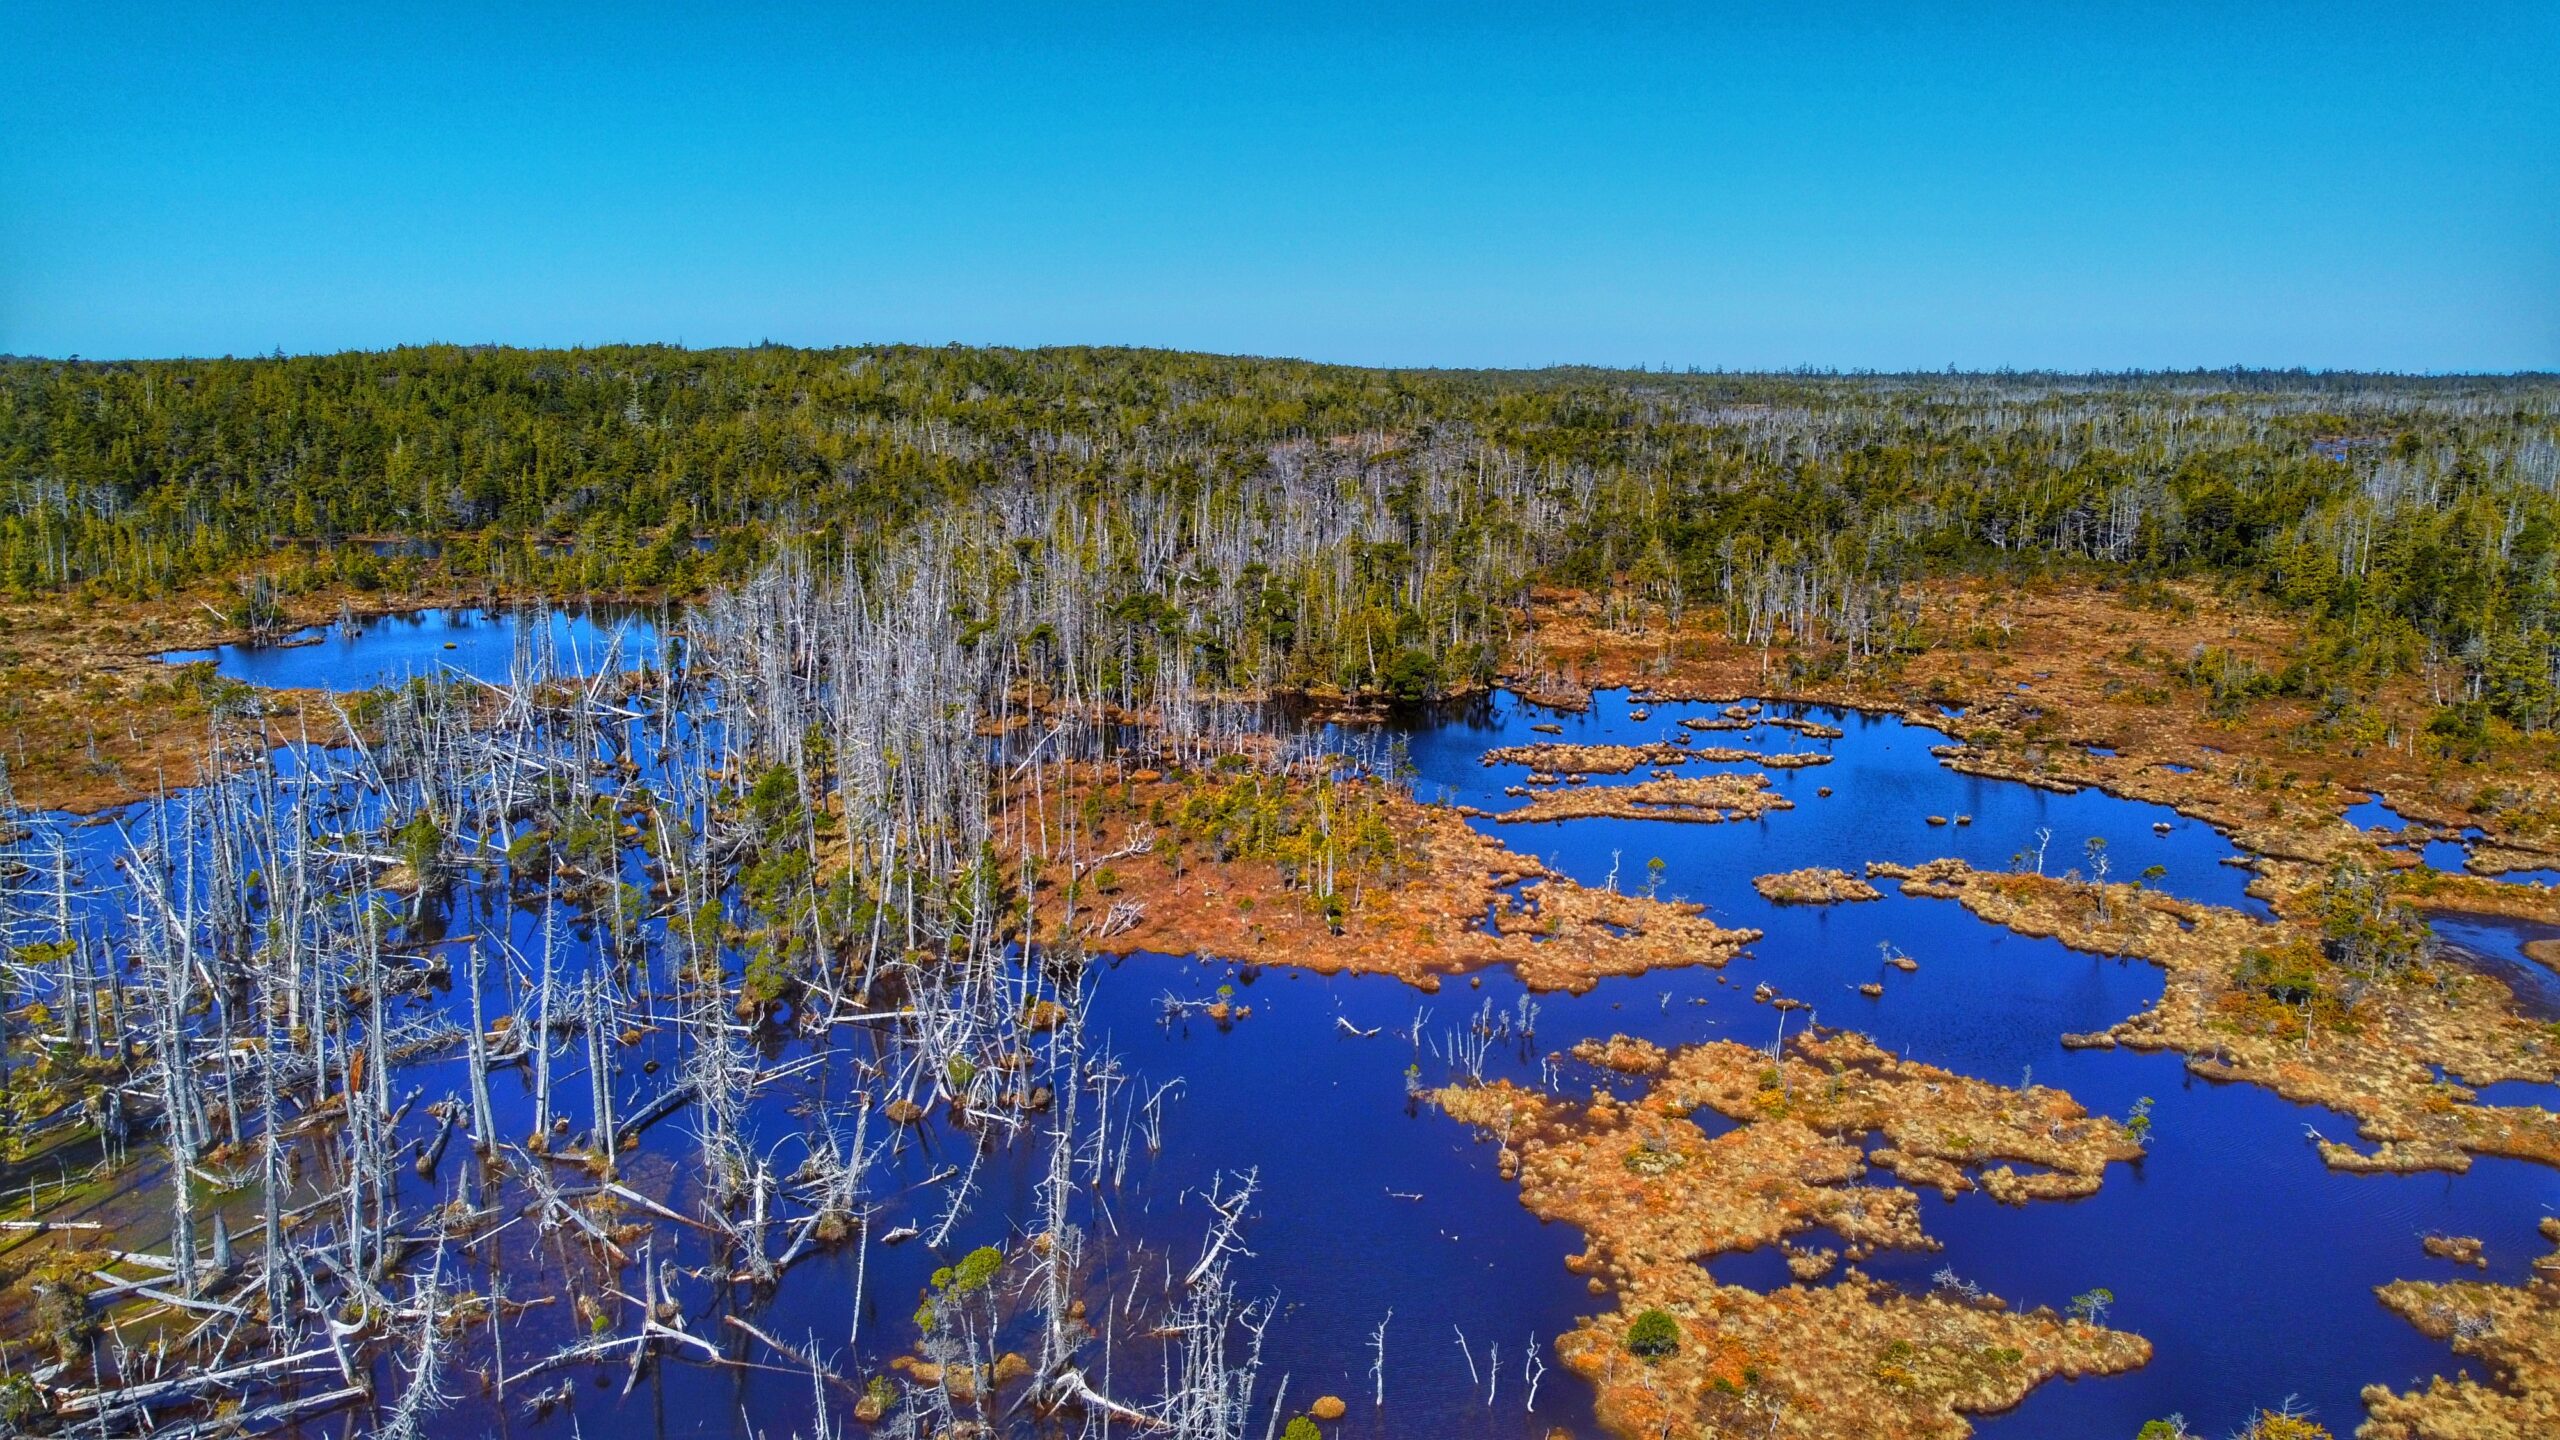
x,y
1663,369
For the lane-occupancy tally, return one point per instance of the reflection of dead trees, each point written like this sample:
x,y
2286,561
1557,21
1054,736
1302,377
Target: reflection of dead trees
x,y
336,909
270,997
423,1394
1058,1244
258,1022
1069,1389
1216,1341
830,1183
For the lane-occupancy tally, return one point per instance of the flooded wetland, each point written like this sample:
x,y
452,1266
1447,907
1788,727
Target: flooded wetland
x,y
610,829
1066,1181
977,894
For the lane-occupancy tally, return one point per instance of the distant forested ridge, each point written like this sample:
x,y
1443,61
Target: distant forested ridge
x,y
1276,524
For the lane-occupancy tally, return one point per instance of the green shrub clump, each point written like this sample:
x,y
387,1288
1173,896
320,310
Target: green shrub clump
x,y
1654,1335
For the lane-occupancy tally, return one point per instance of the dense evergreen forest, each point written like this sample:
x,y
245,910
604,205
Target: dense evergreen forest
x,y
1163,518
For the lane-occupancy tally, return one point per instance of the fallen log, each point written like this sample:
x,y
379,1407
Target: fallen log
x,y
152,1392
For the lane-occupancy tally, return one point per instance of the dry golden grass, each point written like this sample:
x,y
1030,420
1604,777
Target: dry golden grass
x,y
2514,1331
1558,758
1657,1197
2375,1062
1707,799
1461,901
2042,670
1814,886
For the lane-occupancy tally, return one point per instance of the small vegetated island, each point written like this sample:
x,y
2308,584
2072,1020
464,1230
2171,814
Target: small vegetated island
x,y
747,1033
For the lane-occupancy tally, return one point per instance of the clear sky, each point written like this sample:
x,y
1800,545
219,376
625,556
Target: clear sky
x,y
1896,185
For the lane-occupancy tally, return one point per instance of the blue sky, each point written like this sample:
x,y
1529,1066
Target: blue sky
x,y
1894,186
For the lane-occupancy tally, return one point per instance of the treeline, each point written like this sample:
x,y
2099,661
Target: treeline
x,y
1255,523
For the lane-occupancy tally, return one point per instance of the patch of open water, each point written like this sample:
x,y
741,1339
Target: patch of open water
x,y
486,644
1884,783
2495,943
2374,813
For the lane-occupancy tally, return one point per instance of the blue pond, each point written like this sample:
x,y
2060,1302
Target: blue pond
x,y
488,644
2374,813
1884,786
